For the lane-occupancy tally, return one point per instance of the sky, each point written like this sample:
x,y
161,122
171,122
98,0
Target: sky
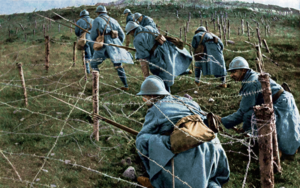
x,y
20,6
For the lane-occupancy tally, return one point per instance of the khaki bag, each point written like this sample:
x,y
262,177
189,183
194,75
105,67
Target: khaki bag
x,y
192,125
199,51
82,39
98,45
176,41
160,39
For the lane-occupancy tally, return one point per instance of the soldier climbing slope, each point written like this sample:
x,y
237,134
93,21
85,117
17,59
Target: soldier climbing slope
x,y
166,60
285,109
144,20
129,17
86,23
208,50
200,164
106,29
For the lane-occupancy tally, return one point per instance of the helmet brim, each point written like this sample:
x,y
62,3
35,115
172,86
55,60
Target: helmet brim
x,y
154,93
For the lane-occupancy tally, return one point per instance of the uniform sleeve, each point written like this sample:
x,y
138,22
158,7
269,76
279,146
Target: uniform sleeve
x,y
195,42
77,30
141,51
93,31
121,34
245,111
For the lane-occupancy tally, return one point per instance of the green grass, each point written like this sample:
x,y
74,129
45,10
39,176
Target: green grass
x,y
46,115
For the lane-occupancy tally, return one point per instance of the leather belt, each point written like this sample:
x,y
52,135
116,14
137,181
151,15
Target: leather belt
x,y
277,95
153,48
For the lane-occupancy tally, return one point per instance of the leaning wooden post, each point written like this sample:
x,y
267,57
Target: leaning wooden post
x,y
266,45
19,65
259,55
201,22
74,54
266,31
47,52
187,26
248,31
258,36
96,103
225,36
242,26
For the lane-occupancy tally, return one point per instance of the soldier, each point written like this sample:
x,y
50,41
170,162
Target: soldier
x,y
86,23
285,109
129,17
209,59
166,60
144,20
116,55
202,166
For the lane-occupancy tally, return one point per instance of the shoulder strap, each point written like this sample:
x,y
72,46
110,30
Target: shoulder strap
x,y
108,22
105,25
87,22
148,32
202,38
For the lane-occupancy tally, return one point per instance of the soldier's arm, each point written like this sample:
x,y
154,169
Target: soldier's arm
x,y
195,42
121,33
93,31
245,111
77,30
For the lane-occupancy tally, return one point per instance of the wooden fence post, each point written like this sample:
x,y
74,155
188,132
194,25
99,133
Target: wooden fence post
x,y
266,31
201,23
84,65
258,36
228,29
96,103
185,32
220,31
224,28
266,45
44,31
74,54
248,31
180,33
19,65
242,26
187,26
206,26
47,52
214,22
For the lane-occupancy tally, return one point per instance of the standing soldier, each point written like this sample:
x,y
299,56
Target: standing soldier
x,y
144,20
129,17
112,33
166,60
208,50
86,23
285,109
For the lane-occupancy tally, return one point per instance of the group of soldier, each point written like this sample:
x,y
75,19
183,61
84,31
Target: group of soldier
x,y
206,164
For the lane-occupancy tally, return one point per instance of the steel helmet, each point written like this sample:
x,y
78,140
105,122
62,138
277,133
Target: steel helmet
x,y
84,13
136,16
153,85
101,8
201,28
130,26
126,11
238,63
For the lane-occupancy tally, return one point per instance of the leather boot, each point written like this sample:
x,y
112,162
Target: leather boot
x,y
145,69
198,84
144,182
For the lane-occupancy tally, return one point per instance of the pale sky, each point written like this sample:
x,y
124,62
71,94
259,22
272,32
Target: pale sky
x,y
20,6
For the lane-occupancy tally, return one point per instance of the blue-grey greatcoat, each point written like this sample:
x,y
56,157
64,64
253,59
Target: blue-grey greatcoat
x,y
286,113
89,45
166,56
129,17
210,65
148,21
115,54
205,166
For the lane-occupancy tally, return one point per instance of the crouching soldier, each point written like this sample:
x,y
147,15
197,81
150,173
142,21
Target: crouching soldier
x,y
86,23
199,164
286,111
107,30
209,59
129,17
144,20
166,60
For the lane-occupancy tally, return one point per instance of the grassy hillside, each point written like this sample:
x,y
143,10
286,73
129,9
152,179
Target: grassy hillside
x,y
51,142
